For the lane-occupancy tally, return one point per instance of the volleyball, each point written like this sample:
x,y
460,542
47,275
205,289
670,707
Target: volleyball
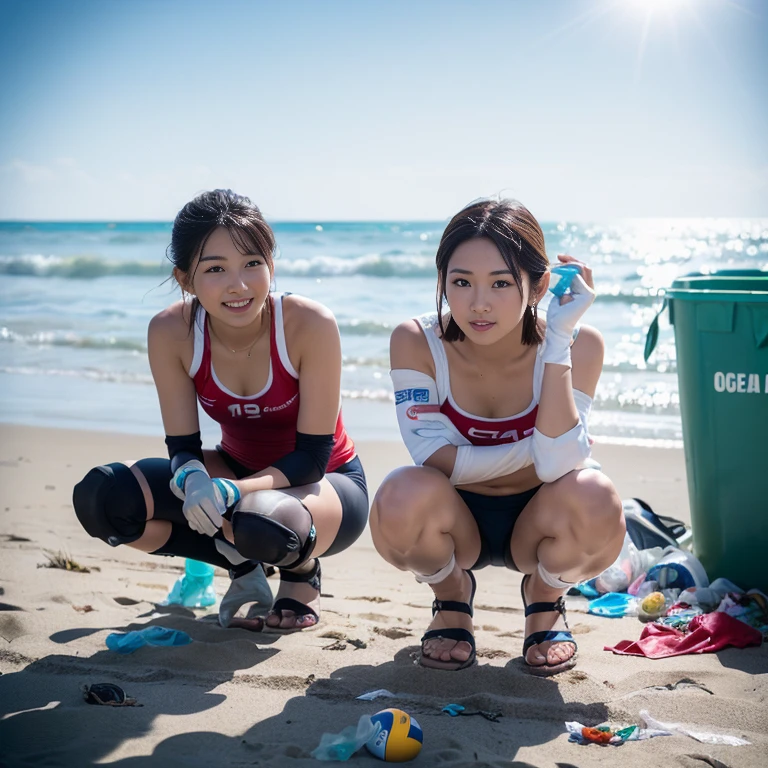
x,y
399,739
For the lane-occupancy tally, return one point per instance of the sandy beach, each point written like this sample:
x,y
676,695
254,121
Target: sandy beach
x,y
234,698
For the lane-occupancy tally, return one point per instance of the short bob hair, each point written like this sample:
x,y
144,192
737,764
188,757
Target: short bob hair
x,y
517,235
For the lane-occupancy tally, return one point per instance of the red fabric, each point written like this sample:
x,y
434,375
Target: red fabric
x,y
707,633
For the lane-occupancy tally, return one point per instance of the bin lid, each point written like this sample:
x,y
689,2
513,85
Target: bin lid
x,y
723,285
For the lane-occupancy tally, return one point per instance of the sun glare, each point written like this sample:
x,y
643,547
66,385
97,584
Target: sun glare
x,y
655,15
656,6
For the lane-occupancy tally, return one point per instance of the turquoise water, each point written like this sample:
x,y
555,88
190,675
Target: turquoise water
x,y
76,298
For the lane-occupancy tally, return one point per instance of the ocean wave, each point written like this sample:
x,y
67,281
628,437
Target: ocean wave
x,y
79,267
377,395
79,341
369,265
115,377
638,400
364,328
637,365
73,340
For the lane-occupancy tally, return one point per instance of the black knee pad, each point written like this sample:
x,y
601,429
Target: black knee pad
x,y
110,505
273,527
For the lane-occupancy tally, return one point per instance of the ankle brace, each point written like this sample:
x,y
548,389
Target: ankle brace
x,y
437,577
553,581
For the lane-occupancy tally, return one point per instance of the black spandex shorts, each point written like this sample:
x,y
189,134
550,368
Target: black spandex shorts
x,y
496,517
348,481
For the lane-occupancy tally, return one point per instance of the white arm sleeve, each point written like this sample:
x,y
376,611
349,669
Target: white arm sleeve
x,y
477,463
554,457
423,428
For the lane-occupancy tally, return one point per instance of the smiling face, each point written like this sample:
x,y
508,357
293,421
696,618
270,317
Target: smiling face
x,y
481,291
231,285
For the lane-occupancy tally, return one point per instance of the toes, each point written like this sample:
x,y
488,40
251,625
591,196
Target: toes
x,y
290,620
459,651
551,654
560,652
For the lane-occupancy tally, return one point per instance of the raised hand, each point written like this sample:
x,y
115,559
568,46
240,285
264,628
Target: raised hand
x,y
565,312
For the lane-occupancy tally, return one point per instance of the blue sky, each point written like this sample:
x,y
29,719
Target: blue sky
x,y
582,109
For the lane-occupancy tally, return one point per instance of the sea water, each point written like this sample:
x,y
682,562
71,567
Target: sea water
x,y
76,298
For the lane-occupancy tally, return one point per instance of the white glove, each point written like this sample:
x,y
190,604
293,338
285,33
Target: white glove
x,y
562,316
204,504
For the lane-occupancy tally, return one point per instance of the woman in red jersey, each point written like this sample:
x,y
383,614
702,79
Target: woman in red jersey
x,y
285,486
492,403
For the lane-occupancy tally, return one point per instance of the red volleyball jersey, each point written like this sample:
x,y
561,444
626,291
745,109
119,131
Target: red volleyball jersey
x,y
258,429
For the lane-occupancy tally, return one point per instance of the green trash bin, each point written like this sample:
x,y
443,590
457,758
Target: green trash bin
x,y
721,335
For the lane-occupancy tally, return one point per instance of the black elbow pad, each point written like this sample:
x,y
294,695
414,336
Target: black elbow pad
x,y
308,461
184,448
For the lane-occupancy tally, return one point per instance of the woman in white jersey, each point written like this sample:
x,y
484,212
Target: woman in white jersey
x,y
492,403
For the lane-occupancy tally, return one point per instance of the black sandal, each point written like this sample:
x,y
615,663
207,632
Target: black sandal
x,y
451,633
311,577
556,636
107,694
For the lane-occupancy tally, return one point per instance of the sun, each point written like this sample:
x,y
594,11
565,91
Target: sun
x,y
655,17
657,6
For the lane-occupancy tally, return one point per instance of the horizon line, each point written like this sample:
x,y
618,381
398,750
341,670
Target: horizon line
x,y
384,220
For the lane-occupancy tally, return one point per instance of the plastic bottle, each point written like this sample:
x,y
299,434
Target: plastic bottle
x,y
562,276
195,588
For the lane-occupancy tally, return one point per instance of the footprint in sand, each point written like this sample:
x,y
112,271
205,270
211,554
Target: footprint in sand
x,y
393,633
11,628
374,617
498,608
492,653
375,599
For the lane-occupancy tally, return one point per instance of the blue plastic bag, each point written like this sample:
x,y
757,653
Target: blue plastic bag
x,y
128,642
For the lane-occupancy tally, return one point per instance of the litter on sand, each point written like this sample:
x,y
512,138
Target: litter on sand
x,y
687,730
609,734
128,642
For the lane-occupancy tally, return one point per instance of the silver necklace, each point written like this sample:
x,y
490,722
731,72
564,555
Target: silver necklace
x,y
236,351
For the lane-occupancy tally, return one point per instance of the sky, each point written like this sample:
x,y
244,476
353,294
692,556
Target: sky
x,y
373,110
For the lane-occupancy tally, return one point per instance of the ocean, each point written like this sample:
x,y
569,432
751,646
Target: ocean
x,y
76,298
